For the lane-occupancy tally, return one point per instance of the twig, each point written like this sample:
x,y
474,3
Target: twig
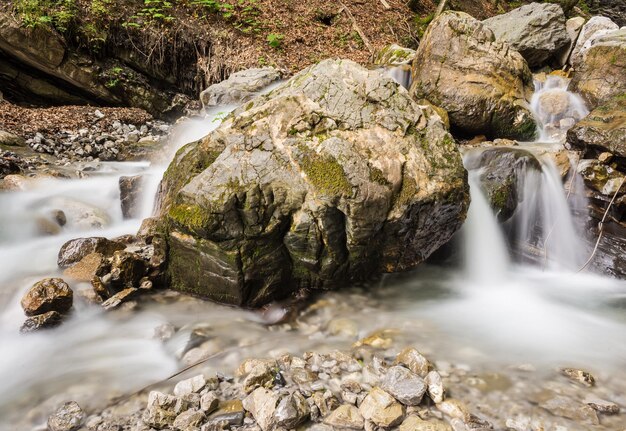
x,y
440,8
362,35
385,4
601,226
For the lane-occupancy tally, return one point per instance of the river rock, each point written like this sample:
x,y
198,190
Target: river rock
x,y
51,319
581,376
603,130
599,25
291,411
127,269
263,374
239,87
404,385
394,55
563,406
262,404
10,164
601,73
501,173
119,298
73,251
414,361
190,386
86,269
209,402
82,215
483,84
332,177
435,386
600,177
163,409
415,423
381,408
11,140
601,406
345,417
130,195
189,420
537,31
49,294
229,412
69,417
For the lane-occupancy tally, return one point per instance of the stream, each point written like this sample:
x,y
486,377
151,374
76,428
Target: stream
x,y
488,311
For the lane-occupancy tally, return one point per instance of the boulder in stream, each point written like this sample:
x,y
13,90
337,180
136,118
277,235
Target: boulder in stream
x,y
483,84
69,417
536,30
334,176
73,251
239,87
49,294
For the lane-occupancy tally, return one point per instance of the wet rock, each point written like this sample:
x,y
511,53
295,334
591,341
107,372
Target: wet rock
x,y
189,420
239,87
600,177
454,409
381,408
209,402
414,361
86,269
119,298
537,31
601,74
345,417
81,215
229,412
343,327
603,130
68,417
50,294
51,319
415,423
130,195
46,226
127,269
291,411
493,99
565,407
404,385
190,386
601,406
573,26
502,169
435,386
262,405
75,250
579,376
373,150
9,165
394,55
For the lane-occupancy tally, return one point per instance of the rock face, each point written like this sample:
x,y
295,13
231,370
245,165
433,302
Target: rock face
x,y
597,26
483,84
601,73
604,129
50,294
614,9
332,177
536,30
502,169
240,87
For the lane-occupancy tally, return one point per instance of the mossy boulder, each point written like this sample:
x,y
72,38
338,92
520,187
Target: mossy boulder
x,y
393,55
502,172
484,85
332,177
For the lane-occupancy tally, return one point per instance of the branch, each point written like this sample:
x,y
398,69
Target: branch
x,y
362,35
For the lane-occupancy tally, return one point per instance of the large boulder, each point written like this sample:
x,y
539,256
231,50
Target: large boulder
x,y
502,171
536,30
601,74
604,129
239,87
334,176
483,84
596,27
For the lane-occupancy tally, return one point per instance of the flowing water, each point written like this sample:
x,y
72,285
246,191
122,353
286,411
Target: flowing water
x,y
491,309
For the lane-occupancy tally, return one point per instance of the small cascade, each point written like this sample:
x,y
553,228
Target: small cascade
x,y
556,109
401,74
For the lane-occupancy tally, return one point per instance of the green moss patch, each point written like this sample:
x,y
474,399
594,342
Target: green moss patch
x,y
325,173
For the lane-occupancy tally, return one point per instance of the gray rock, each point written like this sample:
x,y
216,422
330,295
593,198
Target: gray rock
x,y
595,27
573,26
563,406
190,386
414,361
209,402
614,9
600,405
536,30
291,411
68,417
394,55
404,385
239,87
435,386
11,140
335,175
492,100
49,294
263,374
119,298
163,409
130,195
229,413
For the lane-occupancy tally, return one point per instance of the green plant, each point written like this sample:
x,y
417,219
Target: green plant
x,y
114,75
243,14
153,12
275,40
60,14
